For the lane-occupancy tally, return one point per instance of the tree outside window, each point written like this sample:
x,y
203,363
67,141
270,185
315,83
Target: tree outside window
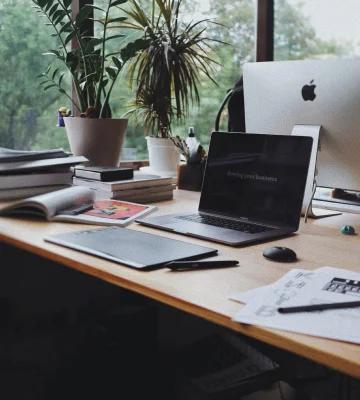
x,y
28,114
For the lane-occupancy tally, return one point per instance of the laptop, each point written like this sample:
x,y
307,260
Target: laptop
x,y
252,191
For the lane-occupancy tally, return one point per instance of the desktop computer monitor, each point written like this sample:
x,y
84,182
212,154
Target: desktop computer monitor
x,y
279,95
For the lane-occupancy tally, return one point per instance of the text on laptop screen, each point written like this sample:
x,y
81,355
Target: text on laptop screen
x,y
258,177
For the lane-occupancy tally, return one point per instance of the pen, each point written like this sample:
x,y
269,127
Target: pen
x,y
188,265
319,307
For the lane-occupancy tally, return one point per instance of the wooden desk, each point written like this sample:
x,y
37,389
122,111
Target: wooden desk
x,y
205,293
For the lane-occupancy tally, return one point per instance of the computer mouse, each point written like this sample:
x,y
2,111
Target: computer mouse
x,y
282,254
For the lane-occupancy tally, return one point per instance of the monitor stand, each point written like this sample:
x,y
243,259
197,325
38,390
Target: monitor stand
x,y
307,209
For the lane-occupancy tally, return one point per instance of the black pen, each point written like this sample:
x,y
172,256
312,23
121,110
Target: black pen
x,y
188,265
319,307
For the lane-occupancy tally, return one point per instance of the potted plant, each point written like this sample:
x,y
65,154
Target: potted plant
x,y
190,174
166,74
94,71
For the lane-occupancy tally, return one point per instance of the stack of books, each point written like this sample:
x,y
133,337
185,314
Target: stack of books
x,y
29,173
142,188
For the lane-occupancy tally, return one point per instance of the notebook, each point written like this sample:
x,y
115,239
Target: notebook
x,y
129,247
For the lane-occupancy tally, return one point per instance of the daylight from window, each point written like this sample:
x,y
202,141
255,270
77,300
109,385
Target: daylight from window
x,y
316,29
303,29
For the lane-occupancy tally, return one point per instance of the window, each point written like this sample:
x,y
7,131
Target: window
x,y
303,29
28,114
316,29
238,31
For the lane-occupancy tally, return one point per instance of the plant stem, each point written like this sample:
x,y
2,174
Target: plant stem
x,y
76,83
79,39
107,98
98,95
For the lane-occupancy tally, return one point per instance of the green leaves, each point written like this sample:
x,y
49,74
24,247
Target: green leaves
x,y
94,69
118,63
133,48
167,66
112,72
115,3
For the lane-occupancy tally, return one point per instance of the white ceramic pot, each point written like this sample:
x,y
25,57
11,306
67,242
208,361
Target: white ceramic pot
x,y
99,140
163,156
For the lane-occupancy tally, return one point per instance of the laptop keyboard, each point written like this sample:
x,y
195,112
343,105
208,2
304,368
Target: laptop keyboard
x,y
225,223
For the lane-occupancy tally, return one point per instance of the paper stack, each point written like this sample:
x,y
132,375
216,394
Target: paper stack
x,y
28,173
303,287
143,188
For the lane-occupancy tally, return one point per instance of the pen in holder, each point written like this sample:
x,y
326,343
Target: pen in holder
x,y
190,173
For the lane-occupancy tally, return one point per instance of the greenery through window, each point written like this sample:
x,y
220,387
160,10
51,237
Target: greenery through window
x,y
29,115
316,29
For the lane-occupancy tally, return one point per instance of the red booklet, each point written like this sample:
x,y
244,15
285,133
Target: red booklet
x,y
117,210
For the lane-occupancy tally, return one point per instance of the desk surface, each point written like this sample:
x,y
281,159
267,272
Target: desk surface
x,y
205,293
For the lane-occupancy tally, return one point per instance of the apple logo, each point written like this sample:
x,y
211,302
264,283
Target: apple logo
x,y
308,91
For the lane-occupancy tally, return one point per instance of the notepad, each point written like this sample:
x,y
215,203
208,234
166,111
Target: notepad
x,y
129,247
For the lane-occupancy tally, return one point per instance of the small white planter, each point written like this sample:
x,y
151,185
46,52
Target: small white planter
x,y
163,156
99,140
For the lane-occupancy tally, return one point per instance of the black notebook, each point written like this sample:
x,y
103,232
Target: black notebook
x,y
133,248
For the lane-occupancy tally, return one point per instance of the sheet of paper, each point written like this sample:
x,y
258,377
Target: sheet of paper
x,y
300,287
245,297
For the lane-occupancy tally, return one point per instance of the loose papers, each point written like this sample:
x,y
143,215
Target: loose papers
x,y
303,287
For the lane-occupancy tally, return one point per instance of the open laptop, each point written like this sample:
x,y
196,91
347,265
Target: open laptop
x,y
252,191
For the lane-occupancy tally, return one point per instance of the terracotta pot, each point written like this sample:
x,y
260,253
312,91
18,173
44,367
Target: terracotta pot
x,y
163,156
99,140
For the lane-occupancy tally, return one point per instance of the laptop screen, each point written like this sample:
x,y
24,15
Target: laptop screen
x,y
258,177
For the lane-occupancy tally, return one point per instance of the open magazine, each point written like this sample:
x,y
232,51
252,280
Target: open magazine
x,y
78,204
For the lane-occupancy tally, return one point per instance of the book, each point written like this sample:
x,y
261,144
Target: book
x,y
137,192
142,195
20,193
78,204
140,180
10,155
151,198
35,165
104,174
17,181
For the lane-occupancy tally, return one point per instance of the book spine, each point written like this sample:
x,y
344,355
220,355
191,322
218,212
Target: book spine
x,y
14,194
144,191
148,199
108,187
34,180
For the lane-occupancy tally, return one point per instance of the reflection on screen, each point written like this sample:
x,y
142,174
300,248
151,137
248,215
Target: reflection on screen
x,y
260,177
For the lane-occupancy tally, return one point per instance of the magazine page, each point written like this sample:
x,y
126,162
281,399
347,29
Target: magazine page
x,y
52,203
109,212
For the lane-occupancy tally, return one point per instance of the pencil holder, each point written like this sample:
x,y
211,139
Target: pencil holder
x,y
190,176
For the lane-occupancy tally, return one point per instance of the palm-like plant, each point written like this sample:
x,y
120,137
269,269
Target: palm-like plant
x,y
167,72
94,70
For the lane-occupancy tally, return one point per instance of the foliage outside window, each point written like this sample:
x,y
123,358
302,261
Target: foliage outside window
x,y
28,117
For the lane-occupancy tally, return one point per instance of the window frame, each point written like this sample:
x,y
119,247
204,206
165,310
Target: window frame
x,y
265,30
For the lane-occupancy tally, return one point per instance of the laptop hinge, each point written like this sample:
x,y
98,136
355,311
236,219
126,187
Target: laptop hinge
x,y
240,219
